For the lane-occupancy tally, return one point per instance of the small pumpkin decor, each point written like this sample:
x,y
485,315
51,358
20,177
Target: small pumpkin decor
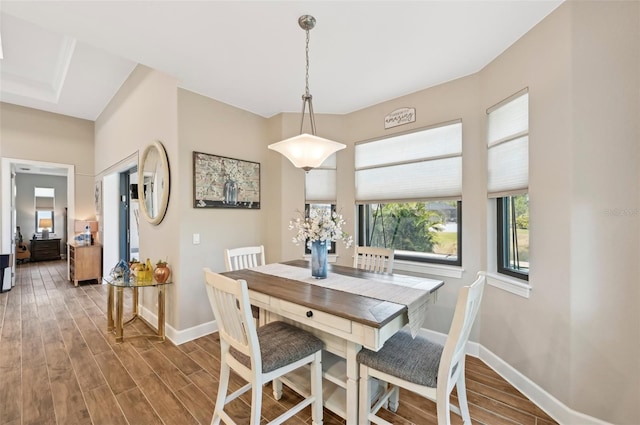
x,y
161,272
134,265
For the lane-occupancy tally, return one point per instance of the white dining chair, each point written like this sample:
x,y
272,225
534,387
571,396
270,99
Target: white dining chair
x,y
373,259
422,366
244,257
259,355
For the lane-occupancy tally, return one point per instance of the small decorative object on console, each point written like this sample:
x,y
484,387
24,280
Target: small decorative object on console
x,y
121,270
145,274
162,272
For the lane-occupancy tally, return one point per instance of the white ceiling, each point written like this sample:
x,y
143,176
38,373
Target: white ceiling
x,y
71,57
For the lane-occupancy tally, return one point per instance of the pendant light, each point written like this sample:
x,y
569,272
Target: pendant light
x,y
307,151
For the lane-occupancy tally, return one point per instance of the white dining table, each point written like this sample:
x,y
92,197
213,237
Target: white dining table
x,y
335,310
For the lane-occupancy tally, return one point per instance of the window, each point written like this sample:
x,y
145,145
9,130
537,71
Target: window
x,y
508,181
320,191
44,200
513,236
320,183
409,189
417,231
332,208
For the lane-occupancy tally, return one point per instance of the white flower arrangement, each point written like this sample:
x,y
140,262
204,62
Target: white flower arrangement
x,y
233,171
321,225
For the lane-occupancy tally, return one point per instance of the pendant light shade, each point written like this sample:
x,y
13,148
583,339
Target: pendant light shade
x,y
307,151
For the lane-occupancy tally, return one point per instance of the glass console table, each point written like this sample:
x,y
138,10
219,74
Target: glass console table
x,y
119,284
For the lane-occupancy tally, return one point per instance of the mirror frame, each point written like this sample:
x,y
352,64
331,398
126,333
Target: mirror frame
x,y
164,196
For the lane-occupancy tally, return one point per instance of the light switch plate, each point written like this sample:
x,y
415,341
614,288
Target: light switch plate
x,y
196,238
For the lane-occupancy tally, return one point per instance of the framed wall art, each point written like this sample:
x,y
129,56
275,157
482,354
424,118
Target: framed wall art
x,y
221,182
97,197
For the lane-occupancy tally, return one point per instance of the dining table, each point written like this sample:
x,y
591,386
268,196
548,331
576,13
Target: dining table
x,y
350,309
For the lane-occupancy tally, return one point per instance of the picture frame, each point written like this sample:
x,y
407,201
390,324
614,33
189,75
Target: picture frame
x,y
223,182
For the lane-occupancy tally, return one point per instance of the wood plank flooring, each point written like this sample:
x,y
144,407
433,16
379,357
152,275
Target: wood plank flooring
x,y
58,365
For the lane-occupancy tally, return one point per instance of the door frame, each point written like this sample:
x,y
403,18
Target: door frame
x,y
7,167
110,181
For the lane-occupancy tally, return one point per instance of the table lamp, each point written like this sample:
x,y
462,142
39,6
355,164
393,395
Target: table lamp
x,y
45,224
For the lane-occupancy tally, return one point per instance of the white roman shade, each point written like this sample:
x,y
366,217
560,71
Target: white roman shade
x,y
44,198
416,166
320,183
44,203
508,146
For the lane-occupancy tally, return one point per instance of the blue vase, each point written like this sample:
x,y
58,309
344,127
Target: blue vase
x,y
319,259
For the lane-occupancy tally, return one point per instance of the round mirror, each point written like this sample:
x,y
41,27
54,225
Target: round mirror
x,y
153,182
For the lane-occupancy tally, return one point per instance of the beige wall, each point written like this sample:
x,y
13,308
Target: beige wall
x,y
605,214
208,126
578,336
144,110
533,335
29,134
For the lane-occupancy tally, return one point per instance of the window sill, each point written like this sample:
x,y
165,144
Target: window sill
x,y
509,284
412,267
331,258
428,268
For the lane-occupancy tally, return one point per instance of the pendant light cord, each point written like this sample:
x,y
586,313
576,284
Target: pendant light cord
x,y
306,97
306,91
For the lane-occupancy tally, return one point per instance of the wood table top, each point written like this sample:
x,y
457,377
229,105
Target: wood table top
x,y
361,309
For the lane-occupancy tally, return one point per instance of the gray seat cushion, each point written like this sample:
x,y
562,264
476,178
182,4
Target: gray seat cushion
x,y
280,345
414,360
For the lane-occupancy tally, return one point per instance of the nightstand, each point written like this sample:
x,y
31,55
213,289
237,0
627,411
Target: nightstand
x,y
85,262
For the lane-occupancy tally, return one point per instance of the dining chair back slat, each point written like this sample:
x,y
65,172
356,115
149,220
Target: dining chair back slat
x,y
232,311
244,257
453,355
373,259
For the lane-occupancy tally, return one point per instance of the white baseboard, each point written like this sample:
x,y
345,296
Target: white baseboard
x,y
174,335
554,407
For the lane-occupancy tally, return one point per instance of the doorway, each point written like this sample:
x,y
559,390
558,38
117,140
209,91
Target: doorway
x,y
9,167
129,215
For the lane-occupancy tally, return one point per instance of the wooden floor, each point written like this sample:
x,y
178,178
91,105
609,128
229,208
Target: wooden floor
x,y
58,365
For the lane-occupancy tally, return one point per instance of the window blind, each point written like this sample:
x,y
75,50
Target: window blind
x,y
44,203
416,166
44,198
508,146
320,183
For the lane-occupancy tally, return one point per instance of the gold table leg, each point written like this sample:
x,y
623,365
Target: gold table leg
x,y
135,301
134,316
119,312
161,312
110,325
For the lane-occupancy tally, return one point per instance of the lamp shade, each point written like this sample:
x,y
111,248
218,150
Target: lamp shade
x,y
80,226
45,223
307,151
